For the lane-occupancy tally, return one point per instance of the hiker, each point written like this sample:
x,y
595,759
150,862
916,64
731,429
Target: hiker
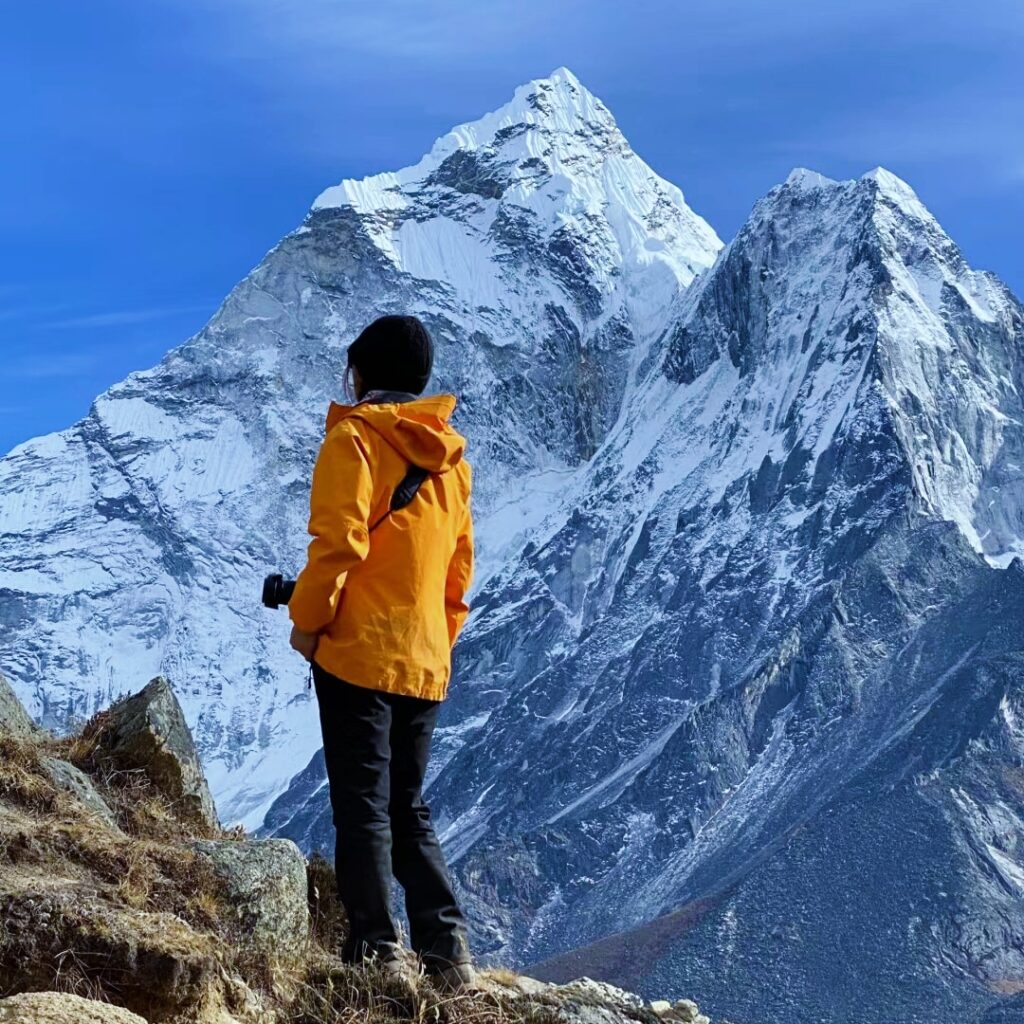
x,y
376,611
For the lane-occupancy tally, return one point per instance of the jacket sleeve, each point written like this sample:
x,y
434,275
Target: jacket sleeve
x,y
460,575
339,512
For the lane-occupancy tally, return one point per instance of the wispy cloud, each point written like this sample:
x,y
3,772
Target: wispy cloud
x,y
391,28
123,317
26,312
51,365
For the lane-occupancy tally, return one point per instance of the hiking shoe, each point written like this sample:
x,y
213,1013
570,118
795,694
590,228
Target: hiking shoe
x,y
456,979
398,968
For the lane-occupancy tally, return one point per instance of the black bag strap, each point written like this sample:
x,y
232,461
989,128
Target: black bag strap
x,y
404,492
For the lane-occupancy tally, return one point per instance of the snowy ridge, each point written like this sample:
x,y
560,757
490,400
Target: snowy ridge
x,y
533,161
134,542
733,632
689,693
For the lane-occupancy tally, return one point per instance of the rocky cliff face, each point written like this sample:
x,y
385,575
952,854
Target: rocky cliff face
x,y
539,249
743,671
787,672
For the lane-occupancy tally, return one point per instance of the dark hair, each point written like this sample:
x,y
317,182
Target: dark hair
x,y
394,353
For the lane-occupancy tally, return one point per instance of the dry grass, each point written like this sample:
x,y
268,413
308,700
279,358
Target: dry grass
x,y
130,914
327,916
133,915
333,993
22,778
140,807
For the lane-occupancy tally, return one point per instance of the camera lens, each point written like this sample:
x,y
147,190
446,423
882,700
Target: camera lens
x,y
277,590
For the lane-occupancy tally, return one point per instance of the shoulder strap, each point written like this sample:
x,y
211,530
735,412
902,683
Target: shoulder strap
x,y
404,492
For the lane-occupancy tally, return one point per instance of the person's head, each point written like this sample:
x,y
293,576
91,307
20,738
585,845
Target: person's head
x,y
395,353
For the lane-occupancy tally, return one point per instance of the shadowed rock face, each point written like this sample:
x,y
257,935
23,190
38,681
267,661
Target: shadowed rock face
x,y
14,719
74,781
148,732
893,846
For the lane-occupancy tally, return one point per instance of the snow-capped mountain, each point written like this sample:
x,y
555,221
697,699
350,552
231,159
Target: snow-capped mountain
x,y
540,250
765,663
744,681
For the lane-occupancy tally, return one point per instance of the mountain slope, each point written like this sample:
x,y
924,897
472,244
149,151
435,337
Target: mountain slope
x,y
538,248
886,883
734,621
837,389
745,654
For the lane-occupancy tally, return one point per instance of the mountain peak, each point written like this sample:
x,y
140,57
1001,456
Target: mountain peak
x,y
801,177
877,195
550,163
888,182
560,96
546,120
898,192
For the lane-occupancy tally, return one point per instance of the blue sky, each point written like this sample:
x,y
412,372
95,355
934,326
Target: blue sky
x,y
152,152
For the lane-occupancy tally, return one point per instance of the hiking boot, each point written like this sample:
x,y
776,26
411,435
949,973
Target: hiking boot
x,y
397,967
456,979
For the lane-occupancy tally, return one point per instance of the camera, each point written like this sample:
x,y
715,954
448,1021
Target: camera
x,y
277,590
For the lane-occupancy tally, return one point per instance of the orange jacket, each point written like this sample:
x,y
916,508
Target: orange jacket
x,y
389,604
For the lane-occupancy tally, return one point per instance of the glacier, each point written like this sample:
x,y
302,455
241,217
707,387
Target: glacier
x,y
737,711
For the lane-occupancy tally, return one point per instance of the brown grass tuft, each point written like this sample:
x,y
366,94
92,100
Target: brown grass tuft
x,y
22,778
326,913
135,916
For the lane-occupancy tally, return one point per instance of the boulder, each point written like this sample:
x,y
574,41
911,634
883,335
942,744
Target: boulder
x,y
600,993
148,731
687,1010
14,719
62,1008
67,777
266,889
684,1011
586,1001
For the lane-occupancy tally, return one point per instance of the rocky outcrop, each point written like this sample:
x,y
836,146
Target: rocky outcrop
x,y
62,1008
266,888
137,915
73,781
148,732
14,719
176,929
685,1010
586,1001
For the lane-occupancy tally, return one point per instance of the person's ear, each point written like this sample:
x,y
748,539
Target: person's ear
x,y
353,384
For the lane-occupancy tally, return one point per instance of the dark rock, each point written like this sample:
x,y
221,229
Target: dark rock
x,y
148,731
265,882
14,719
67,777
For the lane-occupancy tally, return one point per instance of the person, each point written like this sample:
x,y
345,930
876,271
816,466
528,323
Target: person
x,y
376,611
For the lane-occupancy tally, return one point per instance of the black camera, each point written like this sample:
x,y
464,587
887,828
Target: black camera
x,y
277,590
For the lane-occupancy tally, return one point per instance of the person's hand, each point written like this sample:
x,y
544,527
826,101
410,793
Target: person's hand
x,y
304,643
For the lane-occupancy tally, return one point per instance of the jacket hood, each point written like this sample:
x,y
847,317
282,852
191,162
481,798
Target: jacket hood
x,y
419,430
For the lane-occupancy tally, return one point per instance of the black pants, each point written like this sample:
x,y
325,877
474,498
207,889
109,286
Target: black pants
x,y
376,746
